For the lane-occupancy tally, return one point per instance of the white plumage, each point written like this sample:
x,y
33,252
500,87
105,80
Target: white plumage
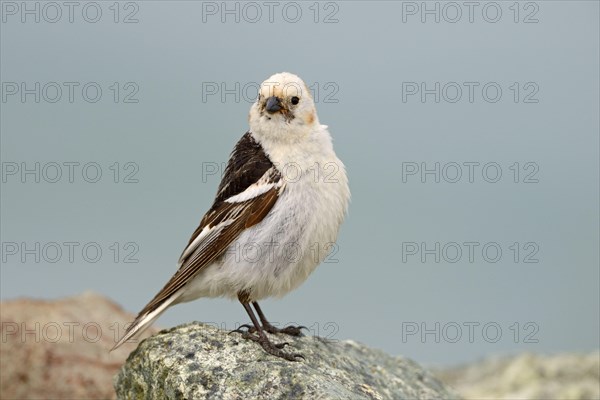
x,y
277,212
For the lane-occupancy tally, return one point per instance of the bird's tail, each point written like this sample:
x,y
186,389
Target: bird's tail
x,y
144,320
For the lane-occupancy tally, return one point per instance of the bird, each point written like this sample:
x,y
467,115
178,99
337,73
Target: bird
x,y
283,190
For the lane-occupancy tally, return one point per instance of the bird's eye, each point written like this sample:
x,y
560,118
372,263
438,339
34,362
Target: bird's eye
x,y
295,100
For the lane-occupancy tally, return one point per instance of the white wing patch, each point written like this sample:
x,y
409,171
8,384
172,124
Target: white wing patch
x,y
263,185
251,192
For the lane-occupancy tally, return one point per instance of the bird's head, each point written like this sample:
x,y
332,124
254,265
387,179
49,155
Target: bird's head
x,y
284,108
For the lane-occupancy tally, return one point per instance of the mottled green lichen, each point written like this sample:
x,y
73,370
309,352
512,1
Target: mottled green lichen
x,y
197,361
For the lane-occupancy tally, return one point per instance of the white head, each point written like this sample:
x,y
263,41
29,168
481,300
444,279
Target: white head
x,y
284,110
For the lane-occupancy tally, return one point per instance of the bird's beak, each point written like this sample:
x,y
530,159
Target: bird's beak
x,y
273,104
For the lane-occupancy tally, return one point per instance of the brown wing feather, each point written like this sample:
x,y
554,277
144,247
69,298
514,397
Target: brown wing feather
x,y
247,164
249,213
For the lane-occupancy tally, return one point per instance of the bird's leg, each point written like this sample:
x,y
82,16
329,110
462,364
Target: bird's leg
x,y
261,338
266,325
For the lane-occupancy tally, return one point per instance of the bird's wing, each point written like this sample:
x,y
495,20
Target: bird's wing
x,y
250,187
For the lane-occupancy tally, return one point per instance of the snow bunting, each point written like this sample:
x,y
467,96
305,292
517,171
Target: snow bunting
x,y
283,194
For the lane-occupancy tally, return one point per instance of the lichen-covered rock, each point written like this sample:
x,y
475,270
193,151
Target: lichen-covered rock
x,y
528,376
197,361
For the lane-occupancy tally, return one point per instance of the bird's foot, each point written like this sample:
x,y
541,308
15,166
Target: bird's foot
x,y
288,330
272,348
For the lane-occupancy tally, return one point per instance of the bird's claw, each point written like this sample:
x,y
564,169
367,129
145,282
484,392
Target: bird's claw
x,y
240,329
272,348
288,330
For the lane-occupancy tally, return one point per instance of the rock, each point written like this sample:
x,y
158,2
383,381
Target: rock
x,y
58,349
528,376
198,361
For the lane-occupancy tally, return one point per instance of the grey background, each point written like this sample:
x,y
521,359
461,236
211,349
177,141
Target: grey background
x,y
371,295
